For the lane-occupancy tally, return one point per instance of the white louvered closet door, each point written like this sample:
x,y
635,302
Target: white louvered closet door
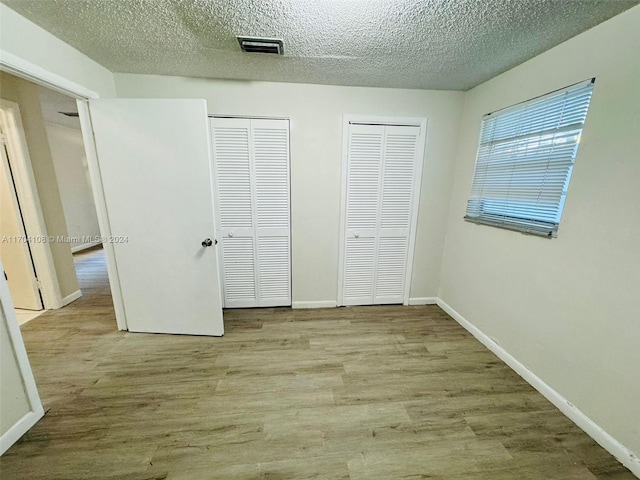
x,y
382,165
234,208
395,212
251,163
271,174
366,143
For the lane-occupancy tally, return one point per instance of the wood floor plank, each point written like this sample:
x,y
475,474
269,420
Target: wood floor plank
x,y
345,393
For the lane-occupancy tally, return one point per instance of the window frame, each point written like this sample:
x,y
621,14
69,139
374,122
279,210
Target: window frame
x,y
502,211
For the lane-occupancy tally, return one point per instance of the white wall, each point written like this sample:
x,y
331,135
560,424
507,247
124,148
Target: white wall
x,y
70,162
316,114
566,308
29,42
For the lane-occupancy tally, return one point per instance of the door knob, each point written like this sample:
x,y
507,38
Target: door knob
x,y
357,235
230,234
207,242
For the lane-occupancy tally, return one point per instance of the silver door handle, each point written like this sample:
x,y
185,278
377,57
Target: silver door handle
x,y
357,235
230,234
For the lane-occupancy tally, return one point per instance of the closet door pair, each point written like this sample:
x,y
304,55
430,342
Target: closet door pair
x,y
251,170
383,170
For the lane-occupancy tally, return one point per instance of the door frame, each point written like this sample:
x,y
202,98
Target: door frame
x,y
29,201
19,67
420,122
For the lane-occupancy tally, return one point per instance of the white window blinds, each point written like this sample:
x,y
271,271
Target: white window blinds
x,y
524,161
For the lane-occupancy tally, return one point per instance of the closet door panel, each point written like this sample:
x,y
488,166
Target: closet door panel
x,y
398,177
359,270
364,168
396,209
390,269
238,275
271,169
233,185
233,173
275,284
363,177
271,163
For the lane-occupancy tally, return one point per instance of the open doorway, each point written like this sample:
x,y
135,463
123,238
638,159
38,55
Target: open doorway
x,y
49,218
15,252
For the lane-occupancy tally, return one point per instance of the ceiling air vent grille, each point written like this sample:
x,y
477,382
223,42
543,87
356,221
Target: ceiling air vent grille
x,y
261,45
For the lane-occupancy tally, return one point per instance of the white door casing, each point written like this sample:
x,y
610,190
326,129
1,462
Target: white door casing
x,y
154,160
14,246
251,165
29,200
381,183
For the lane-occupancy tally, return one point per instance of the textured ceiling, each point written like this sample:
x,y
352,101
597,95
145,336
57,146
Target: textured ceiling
x,y
435,44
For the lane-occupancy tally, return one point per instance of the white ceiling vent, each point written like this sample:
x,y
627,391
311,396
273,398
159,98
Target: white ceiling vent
x,y
261,45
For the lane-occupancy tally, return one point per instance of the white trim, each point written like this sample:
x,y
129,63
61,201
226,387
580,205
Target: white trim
x,y
613,446
21,427
314,304
71,297
343,208
84,246
15,337
417,185
22,68
101,210
423,300
383,120
246,117
29,199
421,151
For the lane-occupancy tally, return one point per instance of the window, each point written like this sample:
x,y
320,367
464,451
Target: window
x,y
524,161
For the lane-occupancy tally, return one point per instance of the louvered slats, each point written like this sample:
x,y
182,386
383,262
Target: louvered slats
x,y
231,150
524,161
274,271
365,163
397,194
271,167
239,271
359,270
271,160
251,159
391,269
382,165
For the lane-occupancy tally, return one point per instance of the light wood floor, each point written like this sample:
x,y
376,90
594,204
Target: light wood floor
x,y
355,393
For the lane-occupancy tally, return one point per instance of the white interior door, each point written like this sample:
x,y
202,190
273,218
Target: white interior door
x,y
383,170
251,158
14,248
154,159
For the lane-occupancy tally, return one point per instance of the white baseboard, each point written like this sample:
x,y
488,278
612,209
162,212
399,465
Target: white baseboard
x,y
84,246
316,304
70,298
423,301
21,427
613,446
